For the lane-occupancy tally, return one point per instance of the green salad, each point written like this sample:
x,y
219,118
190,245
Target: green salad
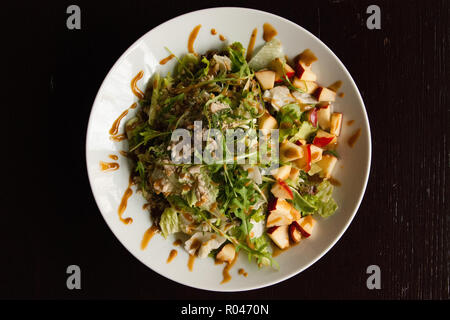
x,y
230,205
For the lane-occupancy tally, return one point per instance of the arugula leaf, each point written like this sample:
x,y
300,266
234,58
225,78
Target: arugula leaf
x,y
169,102
145,135
239,207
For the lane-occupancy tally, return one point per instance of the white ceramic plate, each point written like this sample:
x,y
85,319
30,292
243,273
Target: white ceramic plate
x,y
114,96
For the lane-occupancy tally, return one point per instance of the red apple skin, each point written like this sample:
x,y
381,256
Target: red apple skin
x,y
272,203
312,117
289,75
295,233
302,231
299,69
308,158
287,188
279,190
322,141
282,69
272,229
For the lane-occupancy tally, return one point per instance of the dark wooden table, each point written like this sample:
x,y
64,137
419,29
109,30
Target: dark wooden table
x,y
402,225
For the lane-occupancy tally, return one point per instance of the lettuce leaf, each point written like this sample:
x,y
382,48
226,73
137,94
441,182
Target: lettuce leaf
x,y
304,131
315,168
302,204
205,68
262,244
188,63
322,202
237,56
169,222
323,199
287,115
271,50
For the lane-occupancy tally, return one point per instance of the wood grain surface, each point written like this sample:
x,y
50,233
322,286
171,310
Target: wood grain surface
x,y
402,225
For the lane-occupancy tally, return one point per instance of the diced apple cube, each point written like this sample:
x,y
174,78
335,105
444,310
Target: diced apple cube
x,y
312,116
281,69
279,204
267,122
327,164
325,94
293,175
304,72
266,79
316,153
295,213
324,116
324,138
282,173
305,225
227,253
279,218
304,85
295,233
304,163
311,154
279,236
290,151
281,190
336,123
